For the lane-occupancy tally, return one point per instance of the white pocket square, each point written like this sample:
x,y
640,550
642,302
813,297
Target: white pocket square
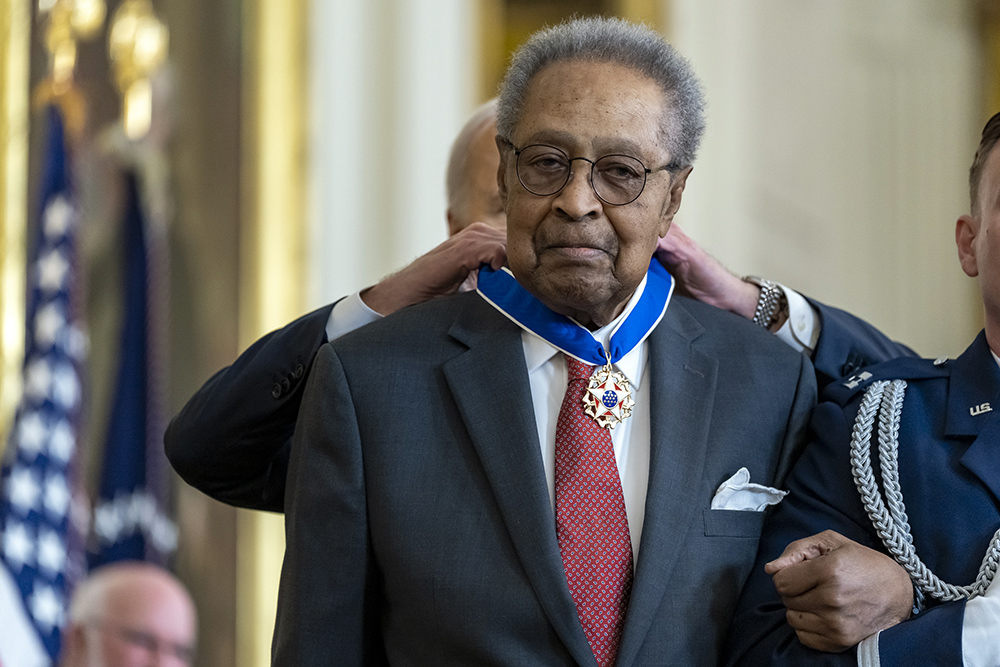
x,y
738,493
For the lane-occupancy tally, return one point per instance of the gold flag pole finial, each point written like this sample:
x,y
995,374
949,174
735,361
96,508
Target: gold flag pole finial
x,y
67,22
137,44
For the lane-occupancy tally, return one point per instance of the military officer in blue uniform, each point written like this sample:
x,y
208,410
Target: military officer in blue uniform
x,y
904,462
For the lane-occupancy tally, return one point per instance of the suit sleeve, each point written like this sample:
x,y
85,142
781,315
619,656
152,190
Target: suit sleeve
x,y
822,496
847,344
232,438
328,600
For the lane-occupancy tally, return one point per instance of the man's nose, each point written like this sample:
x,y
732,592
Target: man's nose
x,y
167,655
578,199
167,658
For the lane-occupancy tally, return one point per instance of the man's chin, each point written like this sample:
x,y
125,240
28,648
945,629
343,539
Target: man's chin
x,y
574,293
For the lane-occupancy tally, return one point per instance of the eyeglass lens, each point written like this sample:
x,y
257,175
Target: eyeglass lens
x,y
153,645
545,170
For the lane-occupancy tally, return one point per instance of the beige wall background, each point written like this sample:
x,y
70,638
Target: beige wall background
x,y
309,160
836,157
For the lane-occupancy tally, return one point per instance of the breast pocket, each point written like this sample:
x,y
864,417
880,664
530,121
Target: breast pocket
x,y
732,523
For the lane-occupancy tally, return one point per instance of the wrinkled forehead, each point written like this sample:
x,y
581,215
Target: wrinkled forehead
x,y
153,605
593,108
573,144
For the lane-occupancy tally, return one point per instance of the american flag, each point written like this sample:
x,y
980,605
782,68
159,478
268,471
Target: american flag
x,y
41,552
131,514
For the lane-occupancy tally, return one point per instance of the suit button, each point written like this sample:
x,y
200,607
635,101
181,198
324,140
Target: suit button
x,y
286,384
276,391
851,364
299,370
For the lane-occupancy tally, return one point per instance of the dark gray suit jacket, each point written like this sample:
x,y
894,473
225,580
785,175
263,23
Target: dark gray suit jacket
x,y
419,525
233,437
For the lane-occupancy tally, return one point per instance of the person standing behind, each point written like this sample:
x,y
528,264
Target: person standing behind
x,y
130,614
231,439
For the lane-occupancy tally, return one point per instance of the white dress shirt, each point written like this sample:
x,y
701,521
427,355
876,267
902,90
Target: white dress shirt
x,y
348,314
802,328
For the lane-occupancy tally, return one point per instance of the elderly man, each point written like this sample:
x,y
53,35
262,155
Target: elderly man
x,y
932,505
231,440
556,470
130,614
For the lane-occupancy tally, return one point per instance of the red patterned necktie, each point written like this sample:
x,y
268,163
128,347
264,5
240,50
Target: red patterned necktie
x,y
590,520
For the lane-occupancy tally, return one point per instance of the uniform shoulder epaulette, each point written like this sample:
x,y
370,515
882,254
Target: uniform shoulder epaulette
x,y
903,368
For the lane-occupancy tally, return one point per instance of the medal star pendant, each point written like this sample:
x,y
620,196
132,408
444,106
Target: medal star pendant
x,y
608,399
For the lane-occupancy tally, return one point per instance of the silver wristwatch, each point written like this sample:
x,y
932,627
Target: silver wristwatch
x,y
769,303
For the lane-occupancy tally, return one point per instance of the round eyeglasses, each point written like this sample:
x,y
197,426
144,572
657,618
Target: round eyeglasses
x,y
617,179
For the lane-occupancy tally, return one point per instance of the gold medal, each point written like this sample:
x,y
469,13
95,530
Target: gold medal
x,y
608,399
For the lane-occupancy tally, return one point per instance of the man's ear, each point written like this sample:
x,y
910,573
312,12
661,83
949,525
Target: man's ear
x,y
677,183
74,646
966,230
504,147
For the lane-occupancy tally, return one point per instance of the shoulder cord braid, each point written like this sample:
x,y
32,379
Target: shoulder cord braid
x,y
885,399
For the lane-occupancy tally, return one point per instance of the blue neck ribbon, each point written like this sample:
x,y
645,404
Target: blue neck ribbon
x,y
504,293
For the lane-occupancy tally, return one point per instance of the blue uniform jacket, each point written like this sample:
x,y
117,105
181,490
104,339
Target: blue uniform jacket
x,y
949,448
847,344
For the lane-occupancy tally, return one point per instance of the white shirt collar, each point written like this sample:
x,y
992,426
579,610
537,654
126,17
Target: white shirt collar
x,y
537,351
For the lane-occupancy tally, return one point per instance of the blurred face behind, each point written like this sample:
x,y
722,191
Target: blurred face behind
x,y
978,240
147,623
479,199
579,255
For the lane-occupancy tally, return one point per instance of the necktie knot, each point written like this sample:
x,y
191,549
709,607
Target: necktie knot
x,y
578,370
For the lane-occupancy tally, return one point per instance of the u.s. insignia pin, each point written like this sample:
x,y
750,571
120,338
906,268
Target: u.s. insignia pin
x,y
608,399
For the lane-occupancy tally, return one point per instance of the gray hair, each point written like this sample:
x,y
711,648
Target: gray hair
x,y
612,40
104,587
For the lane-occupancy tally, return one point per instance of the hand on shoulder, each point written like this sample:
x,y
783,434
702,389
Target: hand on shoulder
x,y
702,277
440,271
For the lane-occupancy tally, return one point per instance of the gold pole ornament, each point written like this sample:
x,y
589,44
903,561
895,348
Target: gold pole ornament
x,y
66,23
137,44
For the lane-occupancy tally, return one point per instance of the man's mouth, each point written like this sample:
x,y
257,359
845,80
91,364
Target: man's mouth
x,y
580,252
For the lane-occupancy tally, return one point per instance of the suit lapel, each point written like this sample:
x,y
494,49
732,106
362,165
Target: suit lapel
x,y
489,383
973,404
981,456
682,392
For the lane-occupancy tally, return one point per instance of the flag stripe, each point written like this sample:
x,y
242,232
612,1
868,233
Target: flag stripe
x,y
130,518
19,645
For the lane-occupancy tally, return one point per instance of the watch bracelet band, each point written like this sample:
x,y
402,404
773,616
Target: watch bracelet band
x,y
769,303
